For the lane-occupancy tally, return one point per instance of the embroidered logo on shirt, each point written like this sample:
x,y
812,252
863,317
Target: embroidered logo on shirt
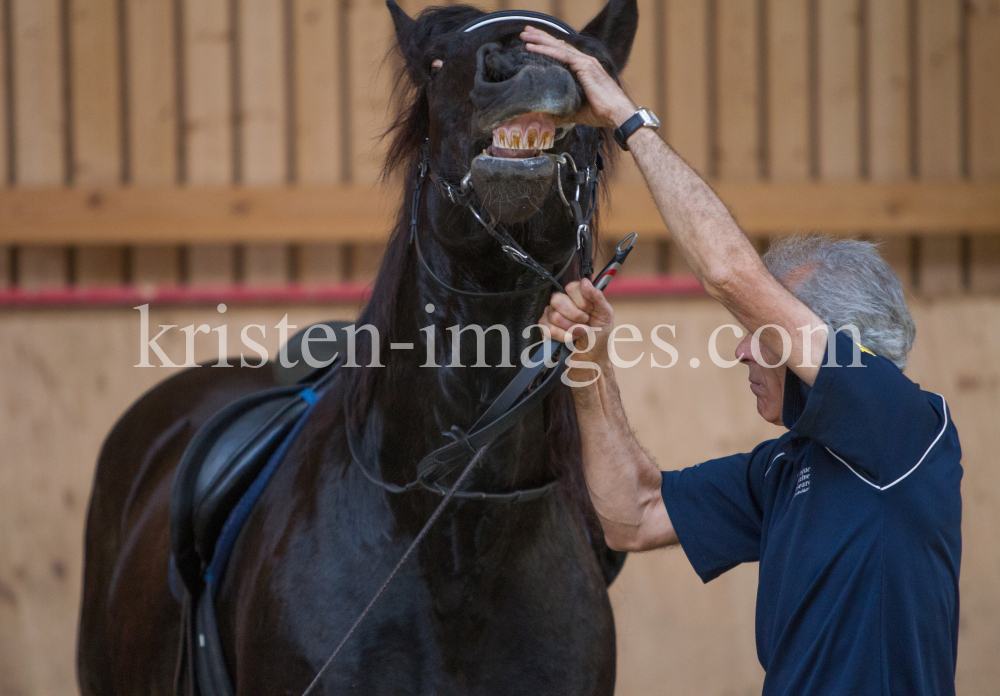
x,y
802,482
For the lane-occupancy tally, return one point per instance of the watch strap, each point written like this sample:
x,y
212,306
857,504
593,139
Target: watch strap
x,y
625,130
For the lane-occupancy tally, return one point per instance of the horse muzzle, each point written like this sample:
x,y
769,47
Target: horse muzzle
x,y
520,97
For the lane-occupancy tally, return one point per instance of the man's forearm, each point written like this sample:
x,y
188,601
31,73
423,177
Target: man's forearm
x,y
623,481
699,223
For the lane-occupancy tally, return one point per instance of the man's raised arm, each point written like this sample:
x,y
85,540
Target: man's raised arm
x,y
707,235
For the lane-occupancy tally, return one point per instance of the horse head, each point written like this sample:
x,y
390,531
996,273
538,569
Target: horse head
x,y
496,117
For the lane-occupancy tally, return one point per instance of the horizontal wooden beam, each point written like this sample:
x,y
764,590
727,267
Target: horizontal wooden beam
x,y
350,214
627,288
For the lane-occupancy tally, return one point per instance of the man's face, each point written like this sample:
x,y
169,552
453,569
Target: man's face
x,y
767,383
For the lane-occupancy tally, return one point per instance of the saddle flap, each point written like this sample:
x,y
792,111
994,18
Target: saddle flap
x,y
193,488
240,451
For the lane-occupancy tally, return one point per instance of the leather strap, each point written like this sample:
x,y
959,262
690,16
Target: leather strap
x,y
513,403
625,130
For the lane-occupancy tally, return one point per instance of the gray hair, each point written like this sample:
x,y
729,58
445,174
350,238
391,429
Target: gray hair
x,y
845,281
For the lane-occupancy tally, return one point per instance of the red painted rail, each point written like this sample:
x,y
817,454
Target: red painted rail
x,y
649,287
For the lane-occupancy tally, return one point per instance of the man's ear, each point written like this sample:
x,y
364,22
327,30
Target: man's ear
x,y
615,27
406,39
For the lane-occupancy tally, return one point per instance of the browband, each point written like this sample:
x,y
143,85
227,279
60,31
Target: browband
x,y
519,16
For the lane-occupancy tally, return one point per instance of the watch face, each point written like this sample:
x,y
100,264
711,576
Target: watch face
x,y
649,118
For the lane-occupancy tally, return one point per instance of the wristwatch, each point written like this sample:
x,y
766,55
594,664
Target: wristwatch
x,y
641,118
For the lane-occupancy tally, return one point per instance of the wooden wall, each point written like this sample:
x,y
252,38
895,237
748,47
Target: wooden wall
x,y
126,124
67,376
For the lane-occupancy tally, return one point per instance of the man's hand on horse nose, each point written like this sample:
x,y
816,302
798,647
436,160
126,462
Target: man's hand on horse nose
x,y
607,103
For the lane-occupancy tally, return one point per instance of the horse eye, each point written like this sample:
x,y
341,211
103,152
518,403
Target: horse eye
x,y
437,64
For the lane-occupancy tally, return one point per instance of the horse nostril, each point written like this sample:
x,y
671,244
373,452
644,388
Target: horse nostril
x,y
496,65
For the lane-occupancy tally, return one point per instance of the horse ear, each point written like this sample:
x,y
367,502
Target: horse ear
x,y
405,36
615,27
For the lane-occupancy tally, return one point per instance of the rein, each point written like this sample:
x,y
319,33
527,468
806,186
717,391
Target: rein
x,y
523,393
509,407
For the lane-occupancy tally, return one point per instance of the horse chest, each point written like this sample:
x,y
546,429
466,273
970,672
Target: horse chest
x,y
535,619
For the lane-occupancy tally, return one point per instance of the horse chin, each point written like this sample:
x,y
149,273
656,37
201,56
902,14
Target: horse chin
x,y
512,189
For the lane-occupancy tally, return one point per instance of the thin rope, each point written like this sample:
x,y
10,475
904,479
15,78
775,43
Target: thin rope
x,y
413,545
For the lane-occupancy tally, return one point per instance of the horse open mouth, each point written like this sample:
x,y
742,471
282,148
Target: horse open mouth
x,y
523,136
513,176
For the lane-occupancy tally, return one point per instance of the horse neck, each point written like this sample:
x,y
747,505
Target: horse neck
x,y
419,402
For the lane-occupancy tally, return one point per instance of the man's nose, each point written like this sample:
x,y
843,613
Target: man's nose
x,y
743,353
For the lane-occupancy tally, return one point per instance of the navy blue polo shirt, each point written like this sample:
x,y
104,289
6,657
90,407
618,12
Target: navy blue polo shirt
x,y
855,516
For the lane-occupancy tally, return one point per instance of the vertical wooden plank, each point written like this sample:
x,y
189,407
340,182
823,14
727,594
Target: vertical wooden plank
x,y
641,75
265,264
984,135
38,109
208,121
263,113
940,265
318,134
152,86
100,265
737,89
939,98
97,156
155,265
898,253
317,92
839,131
984,95
889,102
5,254
321,263
262,87
788,90
371,34
6,173
889,89
939,132
4,104
42,266
984,266
153,121
210,264
371,37
97,128
39,115
208,92
687,80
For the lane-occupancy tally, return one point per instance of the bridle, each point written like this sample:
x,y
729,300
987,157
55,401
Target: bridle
x,y
533,382
464,196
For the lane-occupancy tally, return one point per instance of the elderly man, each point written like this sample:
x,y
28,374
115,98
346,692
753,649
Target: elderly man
x,y
855,512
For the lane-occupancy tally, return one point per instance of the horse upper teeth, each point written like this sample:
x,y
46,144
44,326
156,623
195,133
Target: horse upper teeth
x,y
527,132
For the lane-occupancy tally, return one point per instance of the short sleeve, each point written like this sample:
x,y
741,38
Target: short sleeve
x,y
716,510
873,417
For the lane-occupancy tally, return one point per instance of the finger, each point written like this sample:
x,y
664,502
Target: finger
x,y
555,332
600,308
559,320
575,293
536,35
569,309
554,48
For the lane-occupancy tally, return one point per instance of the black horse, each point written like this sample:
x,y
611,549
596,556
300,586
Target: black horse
x,y
501,597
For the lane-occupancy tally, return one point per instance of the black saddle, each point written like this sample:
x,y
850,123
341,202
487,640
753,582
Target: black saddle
x,y
219,478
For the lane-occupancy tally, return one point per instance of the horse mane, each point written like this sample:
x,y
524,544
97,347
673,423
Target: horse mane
x,y
407,133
